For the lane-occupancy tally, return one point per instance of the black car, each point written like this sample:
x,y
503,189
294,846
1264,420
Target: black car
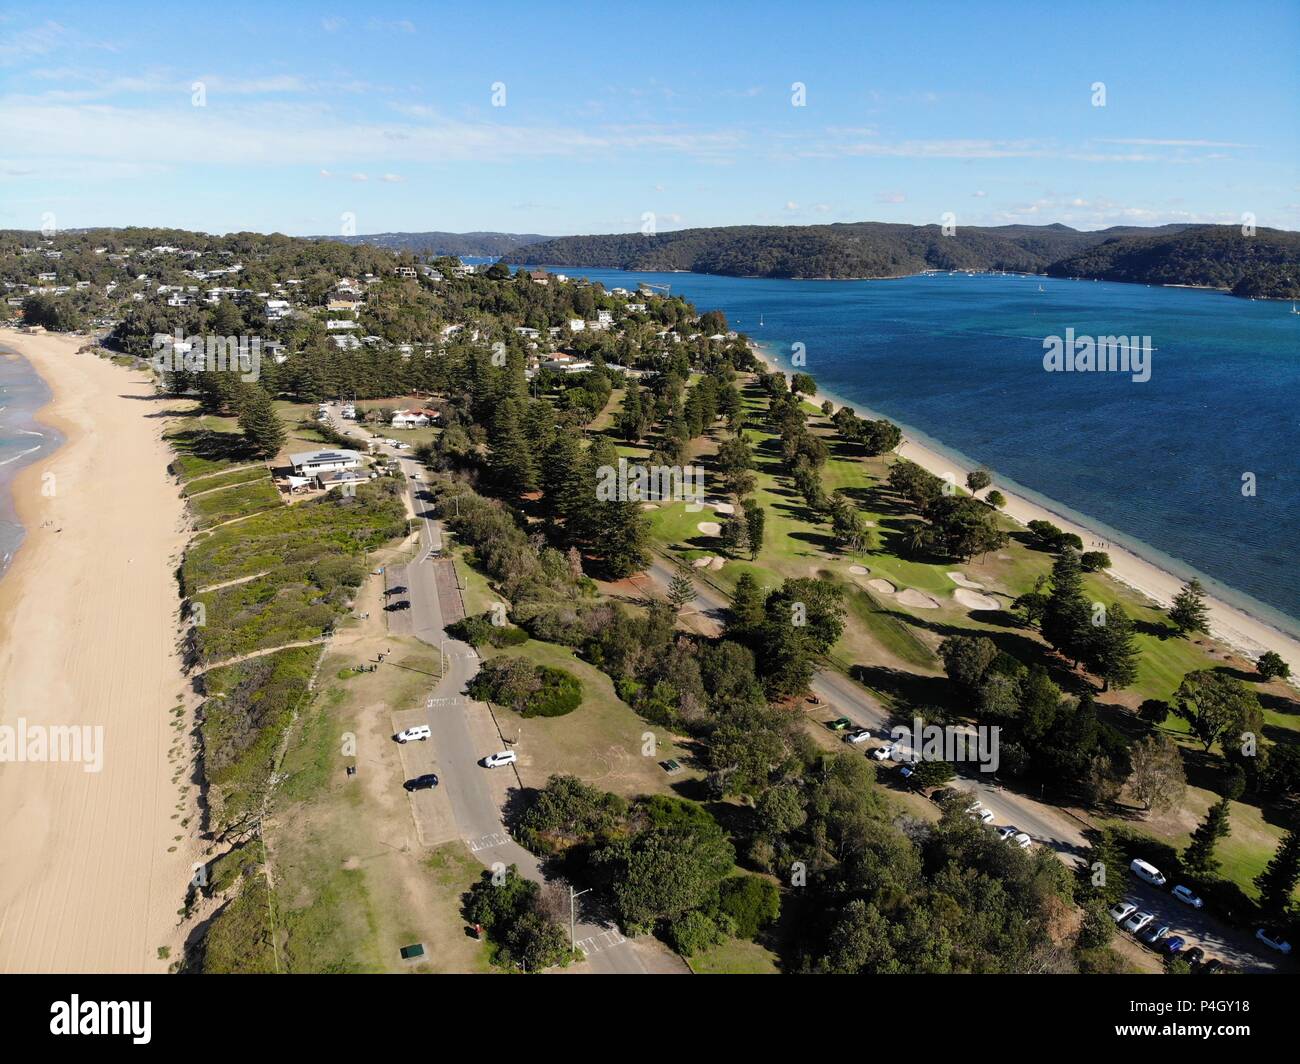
x,y
1212,966
421,783
1194,956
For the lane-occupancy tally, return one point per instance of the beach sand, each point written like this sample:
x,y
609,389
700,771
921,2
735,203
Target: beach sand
x,y
88,634
1244,633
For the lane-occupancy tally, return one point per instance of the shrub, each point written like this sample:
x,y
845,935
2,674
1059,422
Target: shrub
x,y
752,902
694,932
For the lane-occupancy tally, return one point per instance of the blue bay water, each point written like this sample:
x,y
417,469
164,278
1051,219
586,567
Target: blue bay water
x,y
958,362
23,440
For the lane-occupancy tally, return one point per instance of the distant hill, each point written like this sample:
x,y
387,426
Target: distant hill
x,y
484,245
1219,256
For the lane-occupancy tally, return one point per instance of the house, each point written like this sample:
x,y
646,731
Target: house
x,y
410,419
604,317
567,365
330,481
310,463
576,325
405,271
344,342
344,304
333,324
539,277
276,309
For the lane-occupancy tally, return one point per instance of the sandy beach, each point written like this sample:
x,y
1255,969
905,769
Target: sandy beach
x,y
1248,635
88,639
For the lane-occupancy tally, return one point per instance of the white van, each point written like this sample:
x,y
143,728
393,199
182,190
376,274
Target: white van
x,y
1148,873
418,732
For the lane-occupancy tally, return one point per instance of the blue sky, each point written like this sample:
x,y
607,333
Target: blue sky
x,y
613,112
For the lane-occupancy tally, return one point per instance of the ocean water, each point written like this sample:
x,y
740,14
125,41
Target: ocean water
x,y
957,360
22,439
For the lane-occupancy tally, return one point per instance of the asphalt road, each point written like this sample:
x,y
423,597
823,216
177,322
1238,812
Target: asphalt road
x,y
1046,825
475,792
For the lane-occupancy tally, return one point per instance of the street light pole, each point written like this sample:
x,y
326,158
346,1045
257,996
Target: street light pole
x,y
573,933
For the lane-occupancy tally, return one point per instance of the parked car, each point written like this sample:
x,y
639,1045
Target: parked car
x,y
978,812
1185,895
906,771
421,783
1194,956
1273,939
1173,944
883,753
1022,840
1213,966
505,757
1137,921
839,724
1122,911
813,700
418,732
859,736
1008,832
1153,935
1148,873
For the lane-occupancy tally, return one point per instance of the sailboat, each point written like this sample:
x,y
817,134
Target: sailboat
x,y
1040,288
760,321
1293,309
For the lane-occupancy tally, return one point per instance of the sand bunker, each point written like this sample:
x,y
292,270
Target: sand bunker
x,y
717,563
725,508
961,581
917,600
973,601
858,570
883,586
649,506
702,563
710,528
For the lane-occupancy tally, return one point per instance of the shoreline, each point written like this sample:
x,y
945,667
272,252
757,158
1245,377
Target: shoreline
x,y
96,859
1234,627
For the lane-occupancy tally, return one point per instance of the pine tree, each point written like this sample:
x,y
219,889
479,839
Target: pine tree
x,y
1198,858
748,608
1114,651
755,519
512,458
1188,610
735,533
1277,882
259,421
1102,871
681,589
1065,620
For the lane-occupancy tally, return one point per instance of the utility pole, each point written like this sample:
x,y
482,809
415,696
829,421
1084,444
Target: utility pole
x,y
573,933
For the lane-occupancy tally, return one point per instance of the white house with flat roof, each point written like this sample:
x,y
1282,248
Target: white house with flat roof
x,y
311,463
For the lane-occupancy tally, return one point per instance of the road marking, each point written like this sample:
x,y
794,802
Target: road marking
x,y
487,842
605,940
447,701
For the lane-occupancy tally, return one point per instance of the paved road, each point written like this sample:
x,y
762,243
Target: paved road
x,y
841,696
463,733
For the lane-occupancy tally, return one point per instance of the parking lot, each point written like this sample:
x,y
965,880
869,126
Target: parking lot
x,y
1235,946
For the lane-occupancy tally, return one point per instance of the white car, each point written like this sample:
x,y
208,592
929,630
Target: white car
x,y
505,757
883,753
1022,840
420,732
1122,911
1137,921
978,812
859,736
1185,895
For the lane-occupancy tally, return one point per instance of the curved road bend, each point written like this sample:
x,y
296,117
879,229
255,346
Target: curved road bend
x,y
458,727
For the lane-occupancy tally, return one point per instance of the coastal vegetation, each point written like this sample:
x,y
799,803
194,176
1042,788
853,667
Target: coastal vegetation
x,y
1261,264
